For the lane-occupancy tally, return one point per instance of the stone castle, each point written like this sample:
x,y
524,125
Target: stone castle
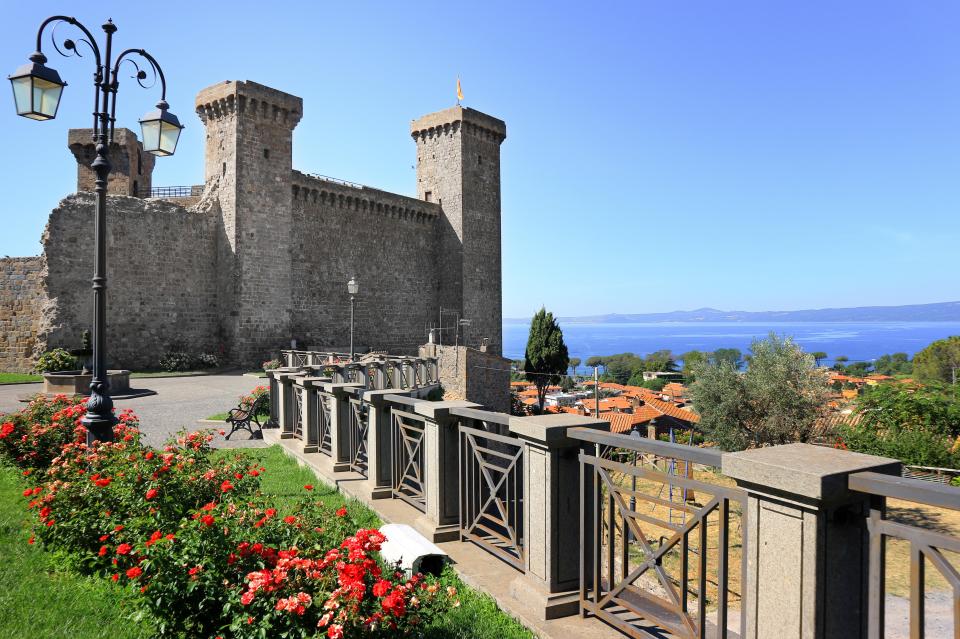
x,y
261,254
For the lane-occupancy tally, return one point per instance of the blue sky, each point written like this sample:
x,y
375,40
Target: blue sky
x,y
660,155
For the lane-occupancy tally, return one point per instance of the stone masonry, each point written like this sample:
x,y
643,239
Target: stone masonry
x,y
264,256
21,302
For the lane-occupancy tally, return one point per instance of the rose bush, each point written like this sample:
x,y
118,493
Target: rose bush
x,y
247,401
206,551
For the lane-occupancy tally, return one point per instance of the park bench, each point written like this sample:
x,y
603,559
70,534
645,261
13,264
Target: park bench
x,y
241,418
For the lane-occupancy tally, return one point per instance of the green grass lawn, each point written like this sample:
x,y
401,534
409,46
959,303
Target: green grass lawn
x,y
219,417
19,378
39,598
477,617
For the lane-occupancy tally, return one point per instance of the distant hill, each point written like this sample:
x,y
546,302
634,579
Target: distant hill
x,y
939,312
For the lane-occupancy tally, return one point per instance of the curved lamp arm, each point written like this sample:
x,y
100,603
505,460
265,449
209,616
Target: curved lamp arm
x,y
91,41
141,75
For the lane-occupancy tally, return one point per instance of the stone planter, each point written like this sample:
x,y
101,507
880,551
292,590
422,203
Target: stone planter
x,y
77,383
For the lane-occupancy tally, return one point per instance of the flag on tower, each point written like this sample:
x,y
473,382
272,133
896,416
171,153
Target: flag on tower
x,y
459,91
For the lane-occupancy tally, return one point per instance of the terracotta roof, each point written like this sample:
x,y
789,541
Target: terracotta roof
x,y
675,389
669,409
619,422
532,392
612,386
644,414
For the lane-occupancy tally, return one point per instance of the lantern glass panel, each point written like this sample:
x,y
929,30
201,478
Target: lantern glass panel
x,y
169,134
150,130
46,97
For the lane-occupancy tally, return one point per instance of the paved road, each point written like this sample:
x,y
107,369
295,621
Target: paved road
x,y
179,402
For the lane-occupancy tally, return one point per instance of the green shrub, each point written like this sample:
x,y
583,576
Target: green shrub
x,y
179,361
205,553
56,360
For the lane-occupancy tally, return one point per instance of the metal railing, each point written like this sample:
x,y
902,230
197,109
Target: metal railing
x,y
359,426
657,547
298,411
492,493
926,546
325,435
327,178
195,190
409,469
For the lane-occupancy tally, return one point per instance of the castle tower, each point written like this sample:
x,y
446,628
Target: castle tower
x,y
248,170
458,167
132,169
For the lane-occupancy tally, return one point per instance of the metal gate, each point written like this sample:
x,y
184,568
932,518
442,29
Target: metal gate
x,y
491,493
359,425
323,419
409,472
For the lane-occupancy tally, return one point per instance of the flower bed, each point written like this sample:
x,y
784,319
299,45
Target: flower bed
x,y
189,531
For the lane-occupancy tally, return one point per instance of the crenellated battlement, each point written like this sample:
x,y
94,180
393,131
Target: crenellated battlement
x,y
456,119
312,190
250,100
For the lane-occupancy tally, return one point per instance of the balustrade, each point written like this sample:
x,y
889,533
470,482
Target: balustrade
x,y
659,545
938,549
652,538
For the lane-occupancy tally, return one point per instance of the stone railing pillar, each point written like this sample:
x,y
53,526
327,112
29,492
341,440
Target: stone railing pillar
x,y
311,412
551,512
275,399
807,542
285,410
441,521
379,443
340,424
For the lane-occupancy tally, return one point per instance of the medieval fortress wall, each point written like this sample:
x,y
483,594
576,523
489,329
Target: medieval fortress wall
x,y
264,256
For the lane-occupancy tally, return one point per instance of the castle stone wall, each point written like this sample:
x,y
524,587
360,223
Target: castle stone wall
x,y
21,304
458,166
161,278
472,375
386,242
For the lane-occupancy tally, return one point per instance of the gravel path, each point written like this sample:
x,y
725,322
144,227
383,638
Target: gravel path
x,y
179,402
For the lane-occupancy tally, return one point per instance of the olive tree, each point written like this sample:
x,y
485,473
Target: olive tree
x,y
777,400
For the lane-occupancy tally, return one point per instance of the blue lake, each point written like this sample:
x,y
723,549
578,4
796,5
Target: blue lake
x,y
858,341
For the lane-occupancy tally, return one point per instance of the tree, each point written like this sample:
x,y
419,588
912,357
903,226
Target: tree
x,y
777,400
895,364
574,362
939,362
731,356
661,360
839,361
818,356
566,383
546,357
594,362
858,369
917,425
655,384
690,360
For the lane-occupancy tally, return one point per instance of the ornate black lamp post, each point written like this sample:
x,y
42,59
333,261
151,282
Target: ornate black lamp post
x,y
36,91
353,288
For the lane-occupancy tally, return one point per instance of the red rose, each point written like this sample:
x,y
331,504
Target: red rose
x,y
151,493
124,549
342,512
226,486
103,551
381,588
134,572
290,519
309,487
208,520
